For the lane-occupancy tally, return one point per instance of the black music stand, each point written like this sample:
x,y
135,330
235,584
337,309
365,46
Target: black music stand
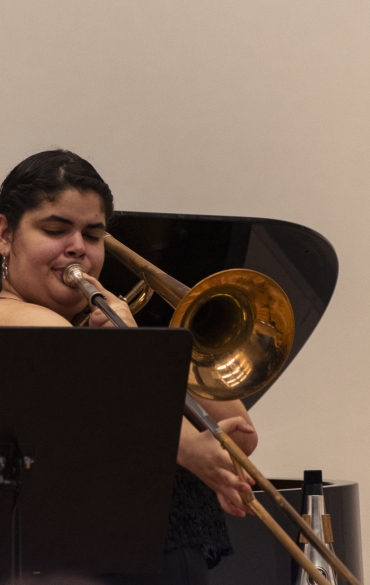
x,y
99,411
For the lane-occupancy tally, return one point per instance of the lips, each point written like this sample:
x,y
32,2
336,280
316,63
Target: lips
x,y
60,270
59,273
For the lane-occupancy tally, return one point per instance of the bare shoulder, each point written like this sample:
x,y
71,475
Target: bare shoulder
x,y
14,313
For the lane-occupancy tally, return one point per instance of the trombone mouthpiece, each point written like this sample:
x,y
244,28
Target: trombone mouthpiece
x,y
72,274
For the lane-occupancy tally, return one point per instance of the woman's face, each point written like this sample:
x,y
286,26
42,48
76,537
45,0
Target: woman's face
x,y
49,238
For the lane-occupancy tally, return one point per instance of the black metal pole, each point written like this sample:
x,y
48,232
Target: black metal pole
x,y
99,301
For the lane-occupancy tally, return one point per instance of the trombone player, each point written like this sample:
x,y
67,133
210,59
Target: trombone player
x,y
54,209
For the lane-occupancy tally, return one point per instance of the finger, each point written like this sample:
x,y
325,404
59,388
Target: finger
x,y
227,463
236,423
246,478
235,494
97,318
233,504
231,486
228,506
97,285
241,472
118,305
248,503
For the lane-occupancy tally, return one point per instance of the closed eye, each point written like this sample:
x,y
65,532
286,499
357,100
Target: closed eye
x,y
54,232
88,236
92,237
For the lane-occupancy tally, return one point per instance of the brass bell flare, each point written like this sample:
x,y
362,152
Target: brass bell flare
x,y
243,328
241,320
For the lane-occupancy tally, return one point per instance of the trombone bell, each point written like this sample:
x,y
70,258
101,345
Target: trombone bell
x,y
241,320
243,328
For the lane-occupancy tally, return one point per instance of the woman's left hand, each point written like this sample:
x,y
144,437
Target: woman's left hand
x,y
97,317
201,453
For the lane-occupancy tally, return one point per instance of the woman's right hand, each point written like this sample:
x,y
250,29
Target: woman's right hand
x,y
203,455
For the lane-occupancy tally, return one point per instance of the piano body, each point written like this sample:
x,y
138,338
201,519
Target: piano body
x,y
305,265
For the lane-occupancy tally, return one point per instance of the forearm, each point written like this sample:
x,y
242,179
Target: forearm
x,y
188,434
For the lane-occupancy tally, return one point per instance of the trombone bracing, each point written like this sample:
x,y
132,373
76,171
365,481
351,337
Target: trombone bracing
x,y
243,327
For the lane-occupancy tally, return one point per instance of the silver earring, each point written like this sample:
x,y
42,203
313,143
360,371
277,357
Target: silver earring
x,y
4,269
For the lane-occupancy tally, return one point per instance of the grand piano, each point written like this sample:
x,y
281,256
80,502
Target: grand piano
x,y
305,265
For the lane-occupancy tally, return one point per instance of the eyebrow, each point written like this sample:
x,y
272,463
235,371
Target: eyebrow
x,y
60,219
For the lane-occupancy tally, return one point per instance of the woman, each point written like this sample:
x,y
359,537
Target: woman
x,y
54,209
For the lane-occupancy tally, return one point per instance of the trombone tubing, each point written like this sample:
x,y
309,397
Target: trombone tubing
x,y
173,292
241,459
236,453
170,289
251,501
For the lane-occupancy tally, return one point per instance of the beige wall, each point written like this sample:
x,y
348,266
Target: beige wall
x,y
224,107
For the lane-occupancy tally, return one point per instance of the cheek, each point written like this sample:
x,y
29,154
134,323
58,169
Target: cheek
x,y
35,254
97,261
45,253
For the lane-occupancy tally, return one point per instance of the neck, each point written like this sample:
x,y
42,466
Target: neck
x,y
8,292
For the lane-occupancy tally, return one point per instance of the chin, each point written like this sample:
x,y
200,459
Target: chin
x,y
69,301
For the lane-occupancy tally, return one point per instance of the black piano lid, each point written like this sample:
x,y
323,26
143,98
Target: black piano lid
x,y
190,247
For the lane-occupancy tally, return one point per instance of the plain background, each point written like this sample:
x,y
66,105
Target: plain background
x,y
224,107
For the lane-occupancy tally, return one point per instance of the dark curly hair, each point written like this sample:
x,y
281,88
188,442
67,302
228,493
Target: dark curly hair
x,y
43,176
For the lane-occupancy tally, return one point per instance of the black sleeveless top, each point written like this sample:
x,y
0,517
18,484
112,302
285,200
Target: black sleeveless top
x,y
196,519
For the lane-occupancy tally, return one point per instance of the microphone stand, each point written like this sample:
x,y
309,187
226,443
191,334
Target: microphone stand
x,y
11,472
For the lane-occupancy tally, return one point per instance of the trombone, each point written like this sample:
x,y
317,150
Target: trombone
x,y
243,327
242,324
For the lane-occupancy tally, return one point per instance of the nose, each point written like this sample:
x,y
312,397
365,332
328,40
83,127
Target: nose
x,y
76,247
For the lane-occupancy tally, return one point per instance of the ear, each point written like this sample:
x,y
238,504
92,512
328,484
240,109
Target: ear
x,y
5,236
